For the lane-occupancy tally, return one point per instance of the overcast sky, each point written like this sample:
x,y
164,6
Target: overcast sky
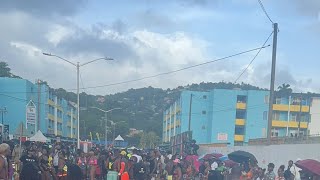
x,y
147,37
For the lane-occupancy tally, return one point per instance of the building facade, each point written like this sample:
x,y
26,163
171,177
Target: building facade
x,y
314,126
286,113
232,116
54,115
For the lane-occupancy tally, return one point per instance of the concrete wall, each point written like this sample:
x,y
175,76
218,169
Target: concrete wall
x,y
277,154
314,125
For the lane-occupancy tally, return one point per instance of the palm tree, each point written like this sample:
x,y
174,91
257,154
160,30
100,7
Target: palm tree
x,y
284,90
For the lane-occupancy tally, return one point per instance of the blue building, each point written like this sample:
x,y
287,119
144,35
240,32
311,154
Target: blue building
x,y
219,116
54,115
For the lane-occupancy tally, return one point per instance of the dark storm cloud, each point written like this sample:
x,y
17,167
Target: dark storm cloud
x,y
43,8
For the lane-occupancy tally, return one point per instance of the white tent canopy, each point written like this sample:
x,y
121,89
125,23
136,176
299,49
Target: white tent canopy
x,y
132,148
119,138
39,137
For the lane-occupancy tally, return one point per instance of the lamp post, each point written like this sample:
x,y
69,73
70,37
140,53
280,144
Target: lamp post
x,y
77,65
106,122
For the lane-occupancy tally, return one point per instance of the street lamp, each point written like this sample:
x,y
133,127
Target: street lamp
x,y
77,65
106,121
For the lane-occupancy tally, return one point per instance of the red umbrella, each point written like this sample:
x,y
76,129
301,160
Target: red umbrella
x,y
217,155
229,163
310,165
208,156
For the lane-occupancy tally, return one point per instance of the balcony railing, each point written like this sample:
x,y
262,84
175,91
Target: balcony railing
x,y
241,105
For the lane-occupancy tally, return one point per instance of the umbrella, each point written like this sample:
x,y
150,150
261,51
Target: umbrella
x,y
211,156
310,165
229,163
241,156
217,155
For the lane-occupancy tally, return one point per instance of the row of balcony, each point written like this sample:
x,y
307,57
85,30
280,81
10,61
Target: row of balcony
x,y
279,107
51,103
278,123
167,116
171,126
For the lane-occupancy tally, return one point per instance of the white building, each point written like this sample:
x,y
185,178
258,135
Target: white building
x,y
314,126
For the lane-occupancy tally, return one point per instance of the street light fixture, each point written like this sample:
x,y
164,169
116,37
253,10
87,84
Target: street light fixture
x,y
106,122
77,65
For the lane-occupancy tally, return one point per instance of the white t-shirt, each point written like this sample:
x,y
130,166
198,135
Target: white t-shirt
x,y
139,158
56,159
295,171
214,166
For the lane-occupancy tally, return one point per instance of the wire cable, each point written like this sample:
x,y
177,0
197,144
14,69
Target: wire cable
x,y
245,69
265,12
165,73
177,70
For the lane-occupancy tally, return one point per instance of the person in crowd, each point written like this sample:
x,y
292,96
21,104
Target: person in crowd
x,y
135,154
280,175
153,164
177,170
270,175
46,170
292,172
194,147
82,163
62,166
4,165
92,164
123,172
56,157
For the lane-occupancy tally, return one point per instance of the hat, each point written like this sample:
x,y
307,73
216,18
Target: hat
x,y
176,161
123,153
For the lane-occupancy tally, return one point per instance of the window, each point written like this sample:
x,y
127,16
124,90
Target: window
x,y
240,114
239,130
293,117
276,116
241,99
274,132
265,115
204,96
266,99
278,100
204,112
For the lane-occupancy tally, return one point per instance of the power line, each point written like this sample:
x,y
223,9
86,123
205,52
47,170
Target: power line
x,y
253,58
164,73
175,71
265,12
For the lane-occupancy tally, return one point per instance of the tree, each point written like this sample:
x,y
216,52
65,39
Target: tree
x,y
5,71
149,140
284,90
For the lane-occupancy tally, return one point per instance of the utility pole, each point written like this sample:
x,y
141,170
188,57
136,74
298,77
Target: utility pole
x,y
106,126
190,109
3,111
299,124
78,106
273,72
37,127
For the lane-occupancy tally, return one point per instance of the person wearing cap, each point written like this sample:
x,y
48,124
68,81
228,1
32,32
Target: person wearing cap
x,y
123,172
270,175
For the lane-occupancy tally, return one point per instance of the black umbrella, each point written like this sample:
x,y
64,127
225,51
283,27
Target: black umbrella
x,y
242,156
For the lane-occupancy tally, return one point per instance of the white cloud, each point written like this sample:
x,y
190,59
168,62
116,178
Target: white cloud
x,y
58,33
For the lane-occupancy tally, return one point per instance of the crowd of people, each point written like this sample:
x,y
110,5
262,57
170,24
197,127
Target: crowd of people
x,y
62,161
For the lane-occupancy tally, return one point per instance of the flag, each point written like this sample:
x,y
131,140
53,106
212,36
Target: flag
x,y
97,134
91,136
